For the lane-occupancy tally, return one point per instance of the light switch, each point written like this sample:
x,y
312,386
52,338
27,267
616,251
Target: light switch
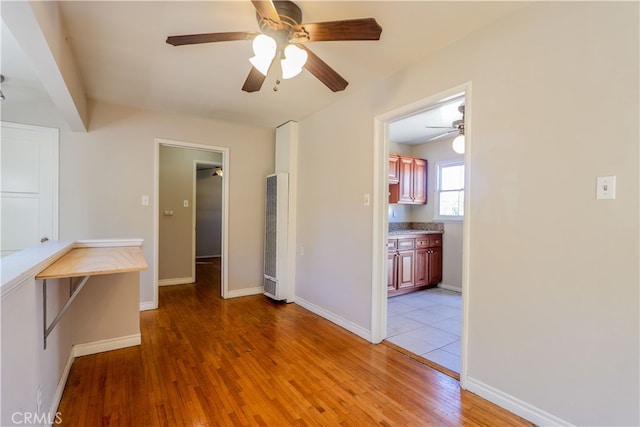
x,y
366,199
606,187
185,203
144,200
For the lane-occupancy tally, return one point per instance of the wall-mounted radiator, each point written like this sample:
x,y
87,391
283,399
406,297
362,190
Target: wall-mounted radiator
x,y
276,284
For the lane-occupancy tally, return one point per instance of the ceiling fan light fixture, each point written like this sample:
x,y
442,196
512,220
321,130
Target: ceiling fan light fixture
x,y
294,60
264,49
458,143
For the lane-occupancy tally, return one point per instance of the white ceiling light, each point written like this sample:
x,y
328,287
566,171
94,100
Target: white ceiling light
x,y
294,60
264,48
458,142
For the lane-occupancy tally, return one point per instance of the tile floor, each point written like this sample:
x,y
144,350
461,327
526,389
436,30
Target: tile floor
x,y
427,323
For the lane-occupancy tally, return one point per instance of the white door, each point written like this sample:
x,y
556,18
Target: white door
x,y
29,186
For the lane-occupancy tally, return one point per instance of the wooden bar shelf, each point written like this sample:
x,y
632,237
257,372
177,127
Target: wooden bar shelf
x,y
84,263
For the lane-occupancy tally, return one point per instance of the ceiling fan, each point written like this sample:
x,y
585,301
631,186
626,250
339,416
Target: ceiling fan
x,y
280,21
457,126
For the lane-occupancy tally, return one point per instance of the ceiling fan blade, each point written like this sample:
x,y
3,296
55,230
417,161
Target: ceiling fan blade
x,y
440,127
324,72
254,81
211,37
441,135
351,29
268,13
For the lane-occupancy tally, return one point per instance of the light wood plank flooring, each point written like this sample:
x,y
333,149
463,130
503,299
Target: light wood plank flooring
x,y
249,361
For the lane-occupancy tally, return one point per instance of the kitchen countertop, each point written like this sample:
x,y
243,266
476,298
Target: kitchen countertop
x,y
410,232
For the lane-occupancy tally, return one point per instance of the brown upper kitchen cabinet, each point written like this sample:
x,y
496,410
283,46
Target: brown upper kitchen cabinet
x,y
411,185
394,177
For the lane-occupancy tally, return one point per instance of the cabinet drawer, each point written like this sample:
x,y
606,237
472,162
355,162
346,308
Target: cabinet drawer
x,y
435,241
392,244
406,244
422,242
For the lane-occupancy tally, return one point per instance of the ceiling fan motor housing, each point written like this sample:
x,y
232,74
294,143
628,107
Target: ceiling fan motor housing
x,y
290,15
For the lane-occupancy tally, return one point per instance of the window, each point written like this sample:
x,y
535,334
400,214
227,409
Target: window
x,y
450,191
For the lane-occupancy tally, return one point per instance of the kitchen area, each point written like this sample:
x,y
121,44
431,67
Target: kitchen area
x,y
424,246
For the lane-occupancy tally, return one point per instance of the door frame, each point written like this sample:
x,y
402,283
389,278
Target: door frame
x,y
381,212
224,288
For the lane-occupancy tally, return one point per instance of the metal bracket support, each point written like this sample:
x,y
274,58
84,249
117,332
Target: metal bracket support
x,y
74,293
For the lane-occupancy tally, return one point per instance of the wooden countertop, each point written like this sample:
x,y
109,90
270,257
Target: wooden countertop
x,y
95,261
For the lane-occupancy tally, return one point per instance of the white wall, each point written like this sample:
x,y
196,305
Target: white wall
x,y
105,171
553,293
26,365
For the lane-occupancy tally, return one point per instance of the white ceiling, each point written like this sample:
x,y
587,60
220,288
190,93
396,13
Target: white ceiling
x,y
434,123
120,51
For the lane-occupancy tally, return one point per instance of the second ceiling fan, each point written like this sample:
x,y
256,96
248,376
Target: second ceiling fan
x,y
282,35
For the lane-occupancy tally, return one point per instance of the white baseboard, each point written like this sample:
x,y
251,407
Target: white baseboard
x,y
106,345
513,404
332,317
244,292
450,287
209,256
57,396
176,281
147,305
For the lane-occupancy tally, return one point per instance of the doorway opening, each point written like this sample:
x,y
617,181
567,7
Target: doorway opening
x,y
208,180
406,320
176,203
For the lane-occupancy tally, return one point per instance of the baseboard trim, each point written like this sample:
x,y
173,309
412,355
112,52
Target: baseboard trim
x,y
176,281
208,256
450,287
513,404
57,396
244,292
106,345
334,318
147,305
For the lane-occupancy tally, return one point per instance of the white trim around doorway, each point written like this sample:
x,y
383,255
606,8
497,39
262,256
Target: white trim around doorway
x,y
225,209
380,215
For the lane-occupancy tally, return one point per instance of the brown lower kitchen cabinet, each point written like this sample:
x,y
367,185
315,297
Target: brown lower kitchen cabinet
x,y
413,262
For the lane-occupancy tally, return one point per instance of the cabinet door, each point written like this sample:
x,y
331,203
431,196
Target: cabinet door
x,y
394,162
406,269
392,271
435,266
422,267
419,193
405,171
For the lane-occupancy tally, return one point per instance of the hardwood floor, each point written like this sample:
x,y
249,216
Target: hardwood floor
x,y
250,361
